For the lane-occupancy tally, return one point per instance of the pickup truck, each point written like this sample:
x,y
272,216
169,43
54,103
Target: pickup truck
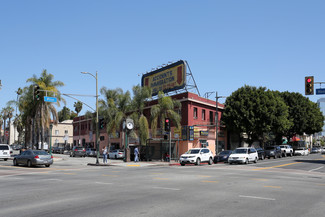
x,y
286,150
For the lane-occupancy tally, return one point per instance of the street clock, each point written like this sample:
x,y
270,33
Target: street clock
x,y
129,124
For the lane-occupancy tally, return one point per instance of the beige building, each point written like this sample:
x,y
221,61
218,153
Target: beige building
x,y
62,134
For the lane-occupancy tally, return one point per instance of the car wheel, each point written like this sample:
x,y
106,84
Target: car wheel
x,y
275,156
182,164
291,154
255,161
47,165
5,159
280,156
269,157
198,161
285,154
115,157
210,161
246,161
15,162
263,157
230,163
29,163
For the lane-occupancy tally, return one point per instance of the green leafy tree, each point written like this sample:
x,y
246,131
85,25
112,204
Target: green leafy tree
x,y
256,112
65,114
304,114
315,119
165,109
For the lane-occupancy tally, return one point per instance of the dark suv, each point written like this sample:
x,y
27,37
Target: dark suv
x,y
78,151
273,151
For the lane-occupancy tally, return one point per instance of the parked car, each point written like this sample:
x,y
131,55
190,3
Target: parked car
x,y
33,157
261,153
315,150
301,151
58,150
116,154
322,150
222,156
196,156
286,150
78,151
5,152
243,155
273,151
91,152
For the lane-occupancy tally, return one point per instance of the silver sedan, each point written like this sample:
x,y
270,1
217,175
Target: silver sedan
x,y
33,157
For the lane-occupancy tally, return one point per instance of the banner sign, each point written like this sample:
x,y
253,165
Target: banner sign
x,y
204,132
184,133
166,79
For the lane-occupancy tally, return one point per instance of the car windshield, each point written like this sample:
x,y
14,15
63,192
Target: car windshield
x,y
193,151
240,151
269,148
225,153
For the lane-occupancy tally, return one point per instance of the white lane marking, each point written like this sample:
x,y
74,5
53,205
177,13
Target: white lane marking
x,y
316,169
172,189
60,180
104,183
260,198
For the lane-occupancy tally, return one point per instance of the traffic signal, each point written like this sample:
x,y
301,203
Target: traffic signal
x,y
309,85
36,92
167,125
101,124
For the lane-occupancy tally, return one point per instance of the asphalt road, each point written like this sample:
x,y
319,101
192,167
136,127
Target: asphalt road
x,y
283,187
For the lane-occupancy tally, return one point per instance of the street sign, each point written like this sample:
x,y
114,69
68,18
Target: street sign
x,y
320,91
49,99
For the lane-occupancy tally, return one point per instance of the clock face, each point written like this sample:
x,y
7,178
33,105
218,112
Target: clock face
x,y
129,126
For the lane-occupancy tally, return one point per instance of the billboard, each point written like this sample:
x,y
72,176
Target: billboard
x,y
166,79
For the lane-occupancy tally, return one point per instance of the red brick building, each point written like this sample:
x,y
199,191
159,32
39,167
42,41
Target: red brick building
x,y
198,130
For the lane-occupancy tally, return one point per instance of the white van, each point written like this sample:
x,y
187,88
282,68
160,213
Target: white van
x,y
4,151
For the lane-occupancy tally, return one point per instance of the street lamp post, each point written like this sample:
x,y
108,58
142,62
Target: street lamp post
x,y
97,133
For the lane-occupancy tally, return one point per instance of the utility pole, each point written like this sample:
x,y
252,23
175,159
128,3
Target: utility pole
x,y
217,123
217,120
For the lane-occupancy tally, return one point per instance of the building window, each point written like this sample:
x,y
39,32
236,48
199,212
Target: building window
x,y
66,132
211,117
203,114
195,113
56,132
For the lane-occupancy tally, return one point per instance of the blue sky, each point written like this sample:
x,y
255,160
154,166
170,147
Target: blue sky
x,y
227,44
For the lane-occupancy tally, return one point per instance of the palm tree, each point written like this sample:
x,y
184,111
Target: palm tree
x,y
44,110
10,111
114,109
165,109
78,108
6,113
19,126
140,95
